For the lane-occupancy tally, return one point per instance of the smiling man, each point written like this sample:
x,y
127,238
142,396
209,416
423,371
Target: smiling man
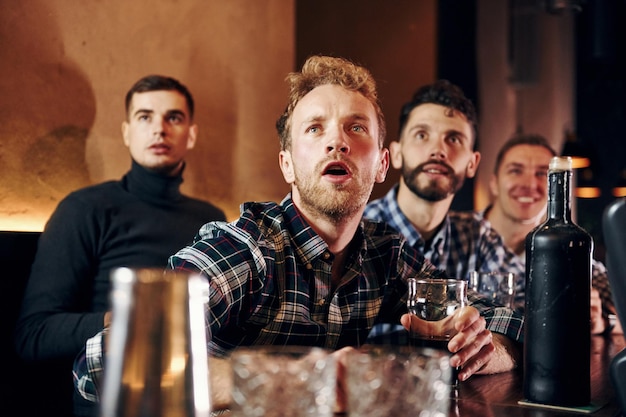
x,y
519,191
519,188
137,221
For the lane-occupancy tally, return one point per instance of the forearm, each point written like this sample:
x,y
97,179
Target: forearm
x,y
506,357
55,336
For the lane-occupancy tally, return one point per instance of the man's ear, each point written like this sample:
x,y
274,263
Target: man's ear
x,y
493,185
472,166
193,136
383,166
286,166
395,152
125,128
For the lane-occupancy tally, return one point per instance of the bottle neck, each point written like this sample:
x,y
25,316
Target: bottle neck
x,y
560,195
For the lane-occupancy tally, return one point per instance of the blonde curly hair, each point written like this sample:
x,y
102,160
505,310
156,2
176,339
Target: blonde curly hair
x,y
320,70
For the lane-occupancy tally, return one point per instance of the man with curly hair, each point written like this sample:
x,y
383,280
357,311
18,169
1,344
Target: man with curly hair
x,y
309,270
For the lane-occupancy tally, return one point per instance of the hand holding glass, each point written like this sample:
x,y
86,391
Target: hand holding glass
x,y
434,303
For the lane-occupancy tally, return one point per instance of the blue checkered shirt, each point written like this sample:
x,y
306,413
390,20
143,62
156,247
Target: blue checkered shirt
x,y
270,283
463,243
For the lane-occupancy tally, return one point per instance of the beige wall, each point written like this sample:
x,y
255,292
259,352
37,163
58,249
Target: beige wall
x,y
65,67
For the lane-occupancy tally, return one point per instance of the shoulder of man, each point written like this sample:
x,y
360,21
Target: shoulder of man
x,y
375,209
256,221
206,209
97,197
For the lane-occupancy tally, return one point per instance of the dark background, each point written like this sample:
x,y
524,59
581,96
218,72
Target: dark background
x,y
600,98
600,74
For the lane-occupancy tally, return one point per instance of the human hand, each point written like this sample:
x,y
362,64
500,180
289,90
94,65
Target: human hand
x,y
598,324
341,356
472,345
107,319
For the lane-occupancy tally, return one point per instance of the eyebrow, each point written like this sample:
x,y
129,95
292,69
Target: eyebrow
x,y
351,117
359,116
514,164
168,113
142,111
427,127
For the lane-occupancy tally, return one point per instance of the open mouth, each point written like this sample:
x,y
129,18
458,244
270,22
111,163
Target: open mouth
x,y
437,169
336,169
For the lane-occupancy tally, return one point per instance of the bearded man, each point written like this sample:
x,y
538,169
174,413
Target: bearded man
x,y
435,153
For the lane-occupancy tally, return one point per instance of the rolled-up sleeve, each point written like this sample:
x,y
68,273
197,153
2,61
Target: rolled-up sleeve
x,y
88,368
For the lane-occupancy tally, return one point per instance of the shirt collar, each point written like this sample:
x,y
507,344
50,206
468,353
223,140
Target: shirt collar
x,y
398,219
308,244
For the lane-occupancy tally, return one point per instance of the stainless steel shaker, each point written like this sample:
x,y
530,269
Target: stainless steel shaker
x,y
156,362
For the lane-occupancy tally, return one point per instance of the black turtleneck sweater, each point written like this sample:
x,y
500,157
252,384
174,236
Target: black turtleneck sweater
x,y
136,222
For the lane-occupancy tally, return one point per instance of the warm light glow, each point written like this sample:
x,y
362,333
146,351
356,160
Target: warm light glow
x,y
587,192
580,162
619,191
25,224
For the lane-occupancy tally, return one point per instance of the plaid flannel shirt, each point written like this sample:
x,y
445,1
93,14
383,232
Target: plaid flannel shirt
x,y
463,243
270,283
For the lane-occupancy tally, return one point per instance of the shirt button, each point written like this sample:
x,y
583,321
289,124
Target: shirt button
x,y
309,266
326,255
321,302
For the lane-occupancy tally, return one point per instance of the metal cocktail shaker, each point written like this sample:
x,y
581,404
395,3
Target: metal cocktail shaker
x,y
156,362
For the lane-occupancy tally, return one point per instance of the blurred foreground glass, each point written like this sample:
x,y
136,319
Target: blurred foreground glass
x,y
290,381
156,362
497,287
434,303
385,381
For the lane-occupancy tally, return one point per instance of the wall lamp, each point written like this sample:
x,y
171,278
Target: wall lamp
x,y
577,151
586,185
620,188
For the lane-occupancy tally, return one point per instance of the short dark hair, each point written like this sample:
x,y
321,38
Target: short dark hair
x,y
521,139
159,83
443,93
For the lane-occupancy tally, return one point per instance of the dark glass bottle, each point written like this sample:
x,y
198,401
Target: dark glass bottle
x,y
558,283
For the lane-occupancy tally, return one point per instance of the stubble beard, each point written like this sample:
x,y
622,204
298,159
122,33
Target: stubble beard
x,y
334,202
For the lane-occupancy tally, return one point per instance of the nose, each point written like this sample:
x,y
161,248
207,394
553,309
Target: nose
x,y
536,182
158,126
529,181
438,149
338,142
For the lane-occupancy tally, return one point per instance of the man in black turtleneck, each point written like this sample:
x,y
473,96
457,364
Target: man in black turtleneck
x,y
138,221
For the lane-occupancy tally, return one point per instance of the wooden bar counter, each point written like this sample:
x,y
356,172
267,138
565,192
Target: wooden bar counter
x,y
498,395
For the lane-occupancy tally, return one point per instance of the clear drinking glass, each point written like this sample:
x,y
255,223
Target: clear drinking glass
x,y
275,381
496,286
383,381
432,304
